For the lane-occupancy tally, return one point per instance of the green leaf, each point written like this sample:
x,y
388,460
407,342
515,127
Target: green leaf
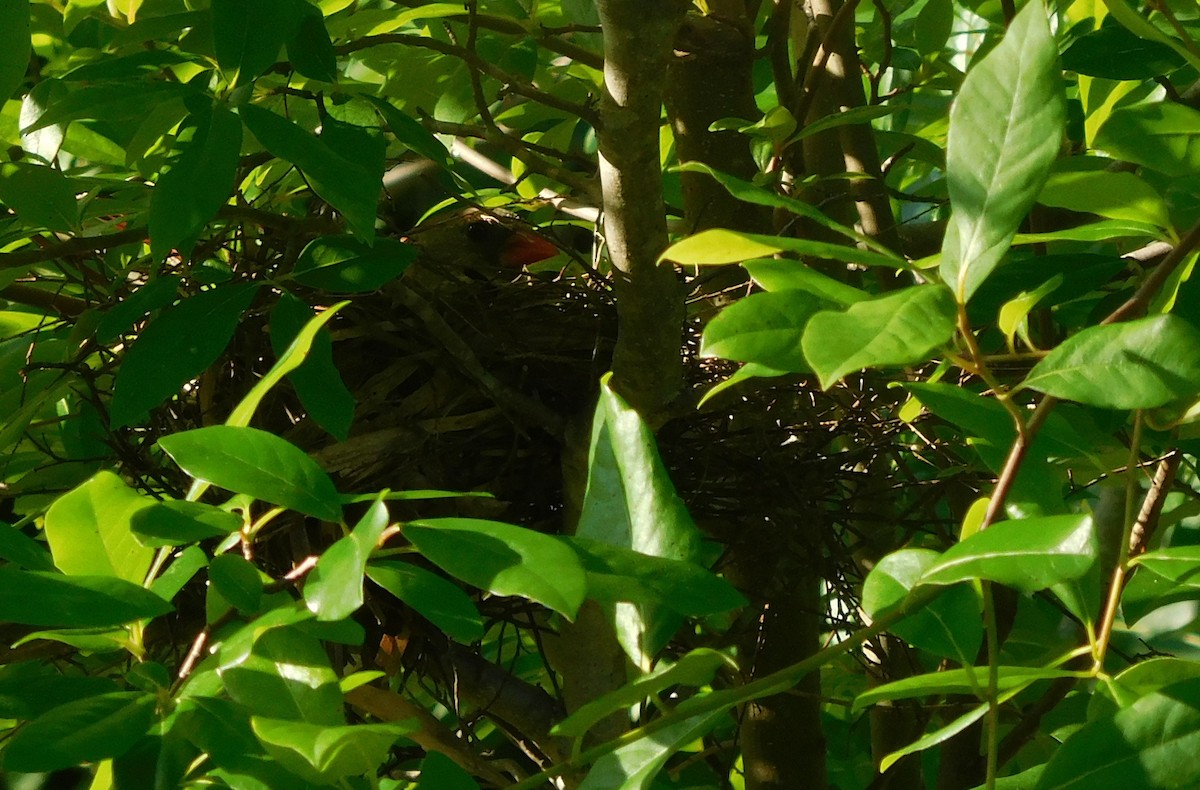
x,y
409,131
199,181
439,601
1115,53
186,564
1006,127
114,102
41,196
325,754
1105,230
154,295
89,730
897,329
503,559
634,766
176,522
258,464
334,588
281,673
176,347
50,599
1134,365
237,581
27,691
343,264
963,680
309,48
750,370
718,247
1151,744
14,46
20,549
1164,136
1029,555
290,359
439,772
695,668
948,626
1114,195
630,503
247,36
940,735
1177,563
774,274
90,531
317,381
762,328
347,184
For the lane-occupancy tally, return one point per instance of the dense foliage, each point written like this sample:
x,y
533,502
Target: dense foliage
x,y
855,447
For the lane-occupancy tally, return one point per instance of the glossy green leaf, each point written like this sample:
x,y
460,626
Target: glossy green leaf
x,y
282,673
897,329
90,530
176,347
695,669
114,102
503,559
258,464
1030,555
634,766
183,567
937,736
1134,365
51,599
41,196
309,48
1164,136
28,691
348,185
291,358
334,588
199,181
411,133
774,274
325,754
630,503
963,680
1006,127
1151,744
1105,230
1110,194
439,601
343,264
715,247
237,581
762,328
439,772
89,730
176,522
317,381
948,626
1177,563
247,37
751,370
14,46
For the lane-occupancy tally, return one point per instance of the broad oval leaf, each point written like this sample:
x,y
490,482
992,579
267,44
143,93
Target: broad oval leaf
x,y
777,274
503,559
88,730
1134,365
1115,53
198,182
175,347
334,588
948,625
309,48
1164,136
237,580
439,601
14,46
51,599
258,464
1150,744
41,196
177,522
763,328
325,754
898,329
1029,555
343,264
281,673
1115,195
90,530
1006,127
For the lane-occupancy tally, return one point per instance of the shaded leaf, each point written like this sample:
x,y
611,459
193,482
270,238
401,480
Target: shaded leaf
x,y
763,328
1164,136
439,601
324,754
317,381
50,599
247,36
177,522
309,48
343,264
14,46
1134,365
41,196
88,730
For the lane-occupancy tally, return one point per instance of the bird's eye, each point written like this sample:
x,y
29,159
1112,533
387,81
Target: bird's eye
x,y
477,231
